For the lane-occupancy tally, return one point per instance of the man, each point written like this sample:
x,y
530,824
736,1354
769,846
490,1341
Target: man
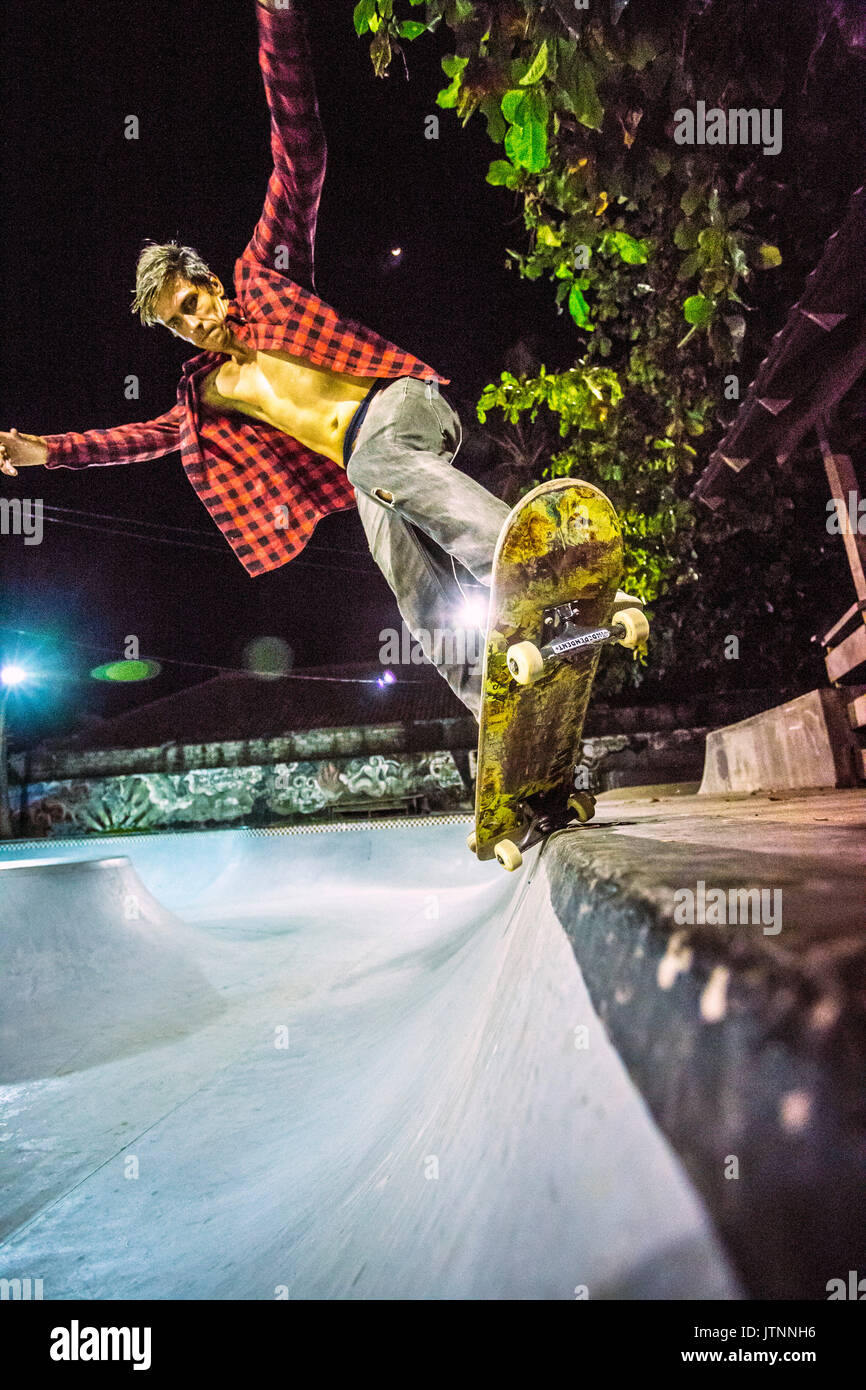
x,y
289,411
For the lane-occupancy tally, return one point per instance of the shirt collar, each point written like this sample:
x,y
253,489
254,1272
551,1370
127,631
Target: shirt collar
x,y
235,312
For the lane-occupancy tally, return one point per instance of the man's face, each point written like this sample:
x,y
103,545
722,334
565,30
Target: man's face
x,y
196,313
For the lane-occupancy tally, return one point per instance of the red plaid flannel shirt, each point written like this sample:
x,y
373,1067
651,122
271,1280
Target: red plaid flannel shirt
x,y
264,489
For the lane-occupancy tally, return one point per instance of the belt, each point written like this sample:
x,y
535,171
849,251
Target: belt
x,y
358,418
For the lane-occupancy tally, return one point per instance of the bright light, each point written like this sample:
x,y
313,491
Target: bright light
x,y
12,675
128,670
396,250
473,611
387,679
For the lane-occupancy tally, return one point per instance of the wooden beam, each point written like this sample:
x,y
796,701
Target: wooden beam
x,y
849,654
845,490
843,622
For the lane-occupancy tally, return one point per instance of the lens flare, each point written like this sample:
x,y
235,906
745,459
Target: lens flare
x,y
473,611
12,675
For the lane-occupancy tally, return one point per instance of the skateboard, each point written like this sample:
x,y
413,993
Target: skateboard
x,y
554,603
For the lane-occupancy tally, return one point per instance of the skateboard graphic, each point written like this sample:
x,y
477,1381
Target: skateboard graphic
x,y
554,603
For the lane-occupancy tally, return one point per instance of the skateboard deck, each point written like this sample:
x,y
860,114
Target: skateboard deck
x,y
556,571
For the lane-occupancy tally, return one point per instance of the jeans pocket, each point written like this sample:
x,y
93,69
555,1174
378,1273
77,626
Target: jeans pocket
x,y
446,415
418,424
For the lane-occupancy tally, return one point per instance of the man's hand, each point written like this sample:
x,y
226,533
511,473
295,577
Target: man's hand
x,y
20,451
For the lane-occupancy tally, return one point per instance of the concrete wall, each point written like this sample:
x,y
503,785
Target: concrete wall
x,y
807,742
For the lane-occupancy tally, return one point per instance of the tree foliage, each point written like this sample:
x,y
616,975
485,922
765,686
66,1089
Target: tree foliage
x,y
656,250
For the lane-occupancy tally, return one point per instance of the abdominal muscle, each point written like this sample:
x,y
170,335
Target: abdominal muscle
x,y
312,404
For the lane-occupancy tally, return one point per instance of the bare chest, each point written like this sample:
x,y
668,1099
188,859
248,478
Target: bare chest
x,y
311,403
273,382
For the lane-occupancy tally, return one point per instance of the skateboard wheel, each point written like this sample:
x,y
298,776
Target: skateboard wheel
x,y
525,662
636,627
583,806
508,855
472,842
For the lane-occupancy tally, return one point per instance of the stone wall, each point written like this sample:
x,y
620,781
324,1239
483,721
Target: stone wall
x,y
257,795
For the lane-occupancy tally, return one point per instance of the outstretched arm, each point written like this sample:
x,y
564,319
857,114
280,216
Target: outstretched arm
x,y
21,451
122,444
284,238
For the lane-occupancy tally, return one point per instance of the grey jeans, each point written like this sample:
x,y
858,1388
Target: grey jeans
x,y
418,512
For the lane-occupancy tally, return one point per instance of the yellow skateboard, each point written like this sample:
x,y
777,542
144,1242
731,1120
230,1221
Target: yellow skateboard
x,y
554,603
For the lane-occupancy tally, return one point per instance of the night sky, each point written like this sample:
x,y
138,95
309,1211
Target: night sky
x,y
79,199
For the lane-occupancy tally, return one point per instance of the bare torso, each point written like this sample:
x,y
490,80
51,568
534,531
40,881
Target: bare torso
x,y
313,404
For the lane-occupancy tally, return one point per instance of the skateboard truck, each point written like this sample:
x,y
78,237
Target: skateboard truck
x,y
542,815
552,813
564,637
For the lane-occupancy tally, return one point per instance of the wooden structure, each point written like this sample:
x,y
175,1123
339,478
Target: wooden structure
x,y
816,359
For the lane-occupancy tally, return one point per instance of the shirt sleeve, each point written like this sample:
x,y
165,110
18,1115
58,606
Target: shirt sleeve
x,y
121,444
284,237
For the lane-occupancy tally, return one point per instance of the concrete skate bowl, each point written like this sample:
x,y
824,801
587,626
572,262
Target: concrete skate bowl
x,y
91,968
350,1064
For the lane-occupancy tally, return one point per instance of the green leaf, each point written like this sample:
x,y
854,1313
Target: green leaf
x,y
380,52
692,199
630,249
537,68
579,309
690,266
643,51
698,309
502,174
686,236
768,256
496,125
365,10
411,29
587,107
526,146
548,236
526,141
712,243
449,96
511,104
452,66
